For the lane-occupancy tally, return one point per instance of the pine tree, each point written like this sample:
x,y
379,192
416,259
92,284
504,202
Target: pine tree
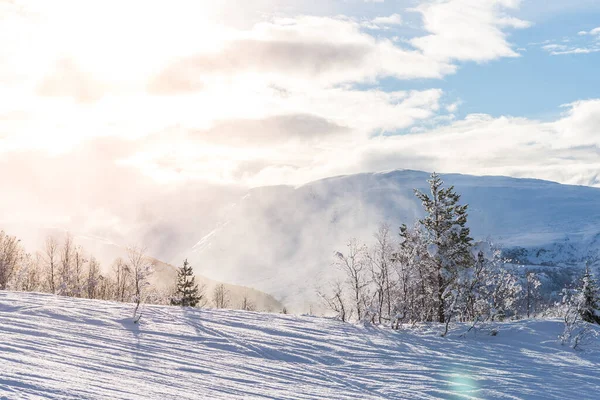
x,y
188,294
448,240
590,306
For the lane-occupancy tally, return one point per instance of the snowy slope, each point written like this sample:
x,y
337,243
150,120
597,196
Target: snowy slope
x,y
280,239
55,347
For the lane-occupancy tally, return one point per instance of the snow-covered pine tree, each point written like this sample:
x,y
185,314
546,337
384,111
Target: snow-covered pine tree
x,y
581,309
188,294
590,298
532,291
448,241
416,277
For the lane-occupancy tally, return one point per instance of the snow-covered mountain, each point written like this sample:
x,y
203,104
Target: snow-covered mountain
x,y
56,347
280,239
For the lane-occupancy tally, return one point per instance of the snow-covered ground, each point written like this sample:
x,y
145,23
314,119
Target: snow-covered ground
x,y
53,347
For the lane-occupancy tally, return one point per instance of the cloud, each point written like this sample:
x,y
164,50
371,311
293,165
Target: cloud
x,y
68,80
323,120
593,32
564,150
287,49
467,30
295,49
394,19
587,42
271,130
87,192
79,87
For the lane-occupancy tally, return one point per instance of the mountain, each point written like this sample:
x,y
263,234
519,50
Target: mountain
x,y
281,239
58,347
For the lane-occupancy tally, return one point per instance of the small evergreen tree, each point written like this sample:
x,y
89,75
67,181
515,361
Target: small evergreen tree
x,y
590,298
188,294
581,307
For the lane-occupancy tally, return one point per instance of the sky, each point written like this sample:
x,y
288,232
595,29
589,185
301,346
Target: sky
x,y
109,102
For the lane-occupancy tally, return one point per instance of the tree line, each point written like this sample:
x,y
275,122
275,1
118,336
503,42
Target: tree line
x,y
435,272
432,271
67,269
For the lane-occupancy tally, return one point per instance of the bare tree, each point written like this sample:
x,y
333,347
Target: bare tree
x,y
532,285
106,288
66,266
247,304
220,296
123,279
381,261
51,253
78,266
11,254
141,268
93,277
335,301
353,266
29,276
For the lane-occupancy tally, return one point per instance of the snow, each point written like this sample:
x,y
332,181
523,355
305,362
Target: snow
x,y
56,347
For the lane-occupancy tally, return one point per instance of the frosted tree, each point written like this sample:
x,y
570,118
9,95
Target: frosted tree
x,y
220,296
506,291
448,242
51,254
532,291
141,269
577,331
416,277
123,279
188,293
492,290
106,288
11,254
380,260
353,265
246,304
581,309
93,278
29,275
78,270
589,308
336,301
67,254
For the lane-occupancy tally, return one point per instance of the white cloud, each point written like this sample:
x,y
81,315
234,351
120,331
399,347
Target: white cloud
x,y
565,150
586,43
595,31
60,88
276,100
394,19
467,30
296,49
452,108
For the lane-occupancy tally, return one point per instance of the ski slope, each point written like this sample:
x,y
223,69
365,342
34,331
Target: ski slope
x,y
55,347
